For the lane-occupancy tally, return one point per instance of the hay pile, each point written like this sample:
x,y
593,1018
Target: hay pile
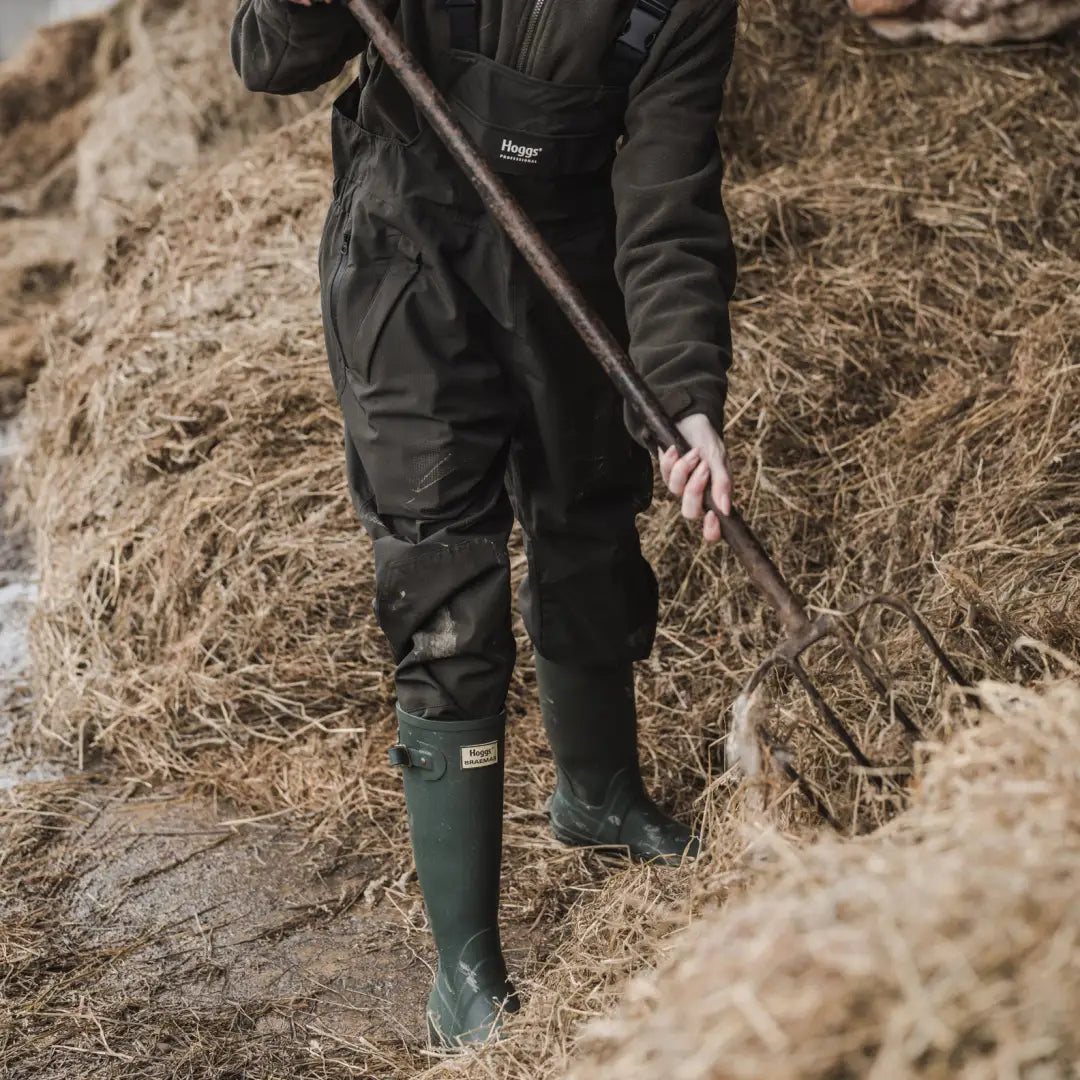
x,y
41,91
97,114
43,111
904,413
97,109
174,103
945,945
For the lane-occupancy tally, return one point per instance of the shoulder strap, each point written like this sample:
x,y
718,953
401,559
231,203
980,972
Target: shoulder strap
x,y
636,39
464,25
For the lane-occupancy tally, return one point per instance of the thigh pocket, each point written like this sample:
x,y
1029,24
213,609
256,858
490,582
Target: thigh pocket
x,y
363,290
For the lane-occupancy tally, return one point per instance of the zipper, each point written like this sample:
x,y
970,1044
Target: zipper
x,y
528,41
335,284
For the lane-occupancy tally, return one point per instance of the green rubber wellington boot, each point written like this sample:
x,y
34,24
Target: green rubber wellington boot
x,y
591,723
453,772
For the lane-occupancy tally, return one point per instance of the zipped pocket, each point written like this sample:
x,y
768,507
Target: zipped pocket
x,y
361,285
335,288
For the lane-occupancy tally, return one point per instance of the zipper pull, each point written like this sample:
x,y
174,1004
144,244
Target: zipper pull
x,y
345,241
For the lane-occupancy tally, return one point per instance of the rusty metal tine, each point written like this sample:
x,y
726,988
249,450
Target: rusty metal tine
x,y
779,749
827,713
788,655
898,603
782,755
876,683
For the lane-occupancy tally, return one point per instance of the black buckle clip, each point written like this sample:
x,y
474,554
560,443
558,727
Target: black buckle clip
x,y
646,21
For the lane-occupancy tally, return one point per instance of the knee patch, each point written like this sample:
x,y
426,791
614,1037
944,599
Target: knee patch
x,y
445,610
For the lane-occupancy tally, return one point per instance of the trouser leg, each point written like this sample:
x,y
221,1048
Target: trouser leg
x,y
427,420
442,598
590,600
427,415
579,481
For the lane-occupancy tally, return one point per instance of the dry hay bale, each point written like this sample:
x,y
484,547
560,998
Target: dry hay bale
x,y
37,260
21,356
968,22
96,116
948,944
43,107
36,173
54,71
173,100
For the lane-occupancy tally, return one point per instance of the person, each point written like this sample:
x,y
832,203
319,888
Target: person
x,y
468,399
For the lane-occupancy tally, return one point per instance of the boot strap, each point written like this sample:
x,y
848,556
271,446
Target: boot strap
x,y
431,761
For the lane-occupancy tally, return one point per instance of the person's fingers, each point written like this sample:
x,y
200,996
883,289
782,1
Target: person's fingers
x,y
721,488
682,470
667,461
694,493
711,528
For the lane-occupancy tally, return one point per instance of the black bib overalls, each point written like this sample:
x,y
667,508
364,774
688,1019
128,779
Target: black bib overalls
x,y
468,398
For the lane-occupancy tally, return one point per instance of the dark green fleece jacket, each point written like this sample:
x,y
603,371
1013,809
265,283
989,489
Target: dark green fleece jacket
x,y
674,258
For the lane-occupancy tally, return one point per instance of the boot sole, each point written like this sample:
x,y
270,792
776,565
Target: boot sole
x,y
619,851
571,839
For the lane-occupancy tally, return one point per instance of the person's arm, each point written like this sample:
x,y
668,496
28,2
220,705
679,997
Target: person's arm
x,y
289,46
675,261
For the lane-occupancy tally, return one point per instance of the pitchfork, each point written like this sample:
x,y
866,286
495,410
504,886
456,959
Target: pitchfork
x,y
803,632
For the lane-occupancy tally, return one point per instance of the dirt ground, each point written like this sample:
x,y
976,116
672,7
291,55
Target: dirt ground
x,y
199,909
211,944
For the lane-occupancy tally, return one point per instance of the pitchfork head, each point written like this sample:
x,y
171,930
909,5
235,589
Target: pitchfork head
x,y
838,626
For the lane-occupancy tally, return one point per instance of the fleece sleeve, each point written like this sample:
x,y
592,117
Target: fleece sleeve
x,y
674,260
283,48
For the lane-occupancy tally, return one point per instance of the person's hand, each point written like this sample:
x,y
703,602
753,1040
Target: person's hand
x,y
704,468
308,3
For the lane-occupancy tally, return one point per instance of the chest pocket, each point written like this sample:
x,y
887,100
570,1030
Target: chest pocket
x,y
526,126
529,127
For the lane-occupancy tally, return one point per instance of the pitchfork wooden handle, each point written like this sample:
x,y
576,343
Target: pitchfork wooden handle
x,y
762,571
536,252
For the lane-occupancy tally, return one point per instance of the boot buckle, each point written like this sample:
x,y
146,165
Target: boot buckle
x,y
399,756
431,761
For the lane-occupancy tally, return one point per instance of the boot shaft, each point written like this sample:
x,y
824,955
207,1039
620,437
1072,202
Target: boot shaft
x,y
591,723
453,777
590,719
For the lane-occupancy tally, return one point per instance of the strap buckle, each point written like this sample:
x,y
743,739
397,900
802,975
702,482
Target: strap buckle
x,y
464,24
399,756
645,21
430,761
